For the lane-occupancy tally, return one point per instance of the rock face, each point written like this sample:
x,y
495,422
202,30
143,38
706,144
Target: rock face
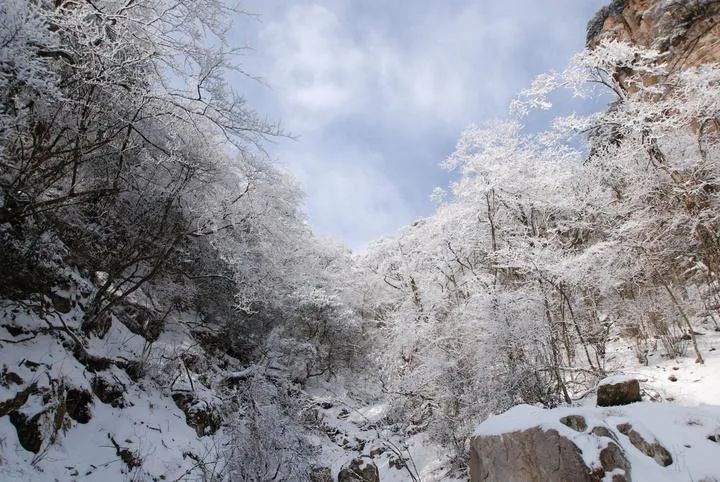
x,y
78,403
575,422
199,414
29,430
613,458
321,474
532,455
621,392
687,32
359,470
653,450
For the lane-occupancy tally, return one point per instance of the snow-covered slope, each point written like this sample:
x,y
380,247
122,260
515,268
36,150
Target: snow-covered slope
x,y
689,434
672,435
92,420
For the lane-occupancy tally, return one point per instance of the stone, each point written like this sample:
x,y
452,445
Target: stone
x,y
653,450
603,432
619,393
20,398
199,414
529,455
377,452
397,463
109,391
624,428
61,303
575,422
321,474
11,378
612,458
29,430
139,319
361,469
78,403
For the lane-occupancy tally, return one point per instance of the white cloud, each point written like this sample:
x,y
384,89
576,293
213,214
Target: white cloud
x,y
315,70
321,71
348,197
378,92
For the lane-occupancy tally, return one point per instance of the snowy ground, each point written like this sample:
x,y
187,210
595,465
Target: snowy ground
x,y
681,412
149,425
680,380
683,431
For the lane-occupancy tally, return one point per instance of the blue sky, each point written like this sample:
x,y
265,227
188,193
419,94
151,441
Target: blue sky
x,y
378,91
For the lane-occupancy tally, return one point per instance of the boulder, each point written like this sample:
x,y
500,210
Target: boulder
x,y
532,444
532,455
61,303
109,390
603,432
653,450
613,458
361,469
139,319
575,422
618,391
321,474
29,430
200,414
78,403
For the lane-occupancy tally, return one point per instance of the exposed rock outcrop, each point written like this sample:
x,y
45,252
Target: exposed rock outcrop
x,y
199,414
653,450
575,422
78,403
533,455
687,32
531,444
618,392
612,458
361,469
321,474
109,390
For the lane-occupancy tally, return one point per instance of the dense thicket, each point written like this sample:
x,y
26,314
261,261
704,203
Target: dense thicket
x,y
126,159
550,247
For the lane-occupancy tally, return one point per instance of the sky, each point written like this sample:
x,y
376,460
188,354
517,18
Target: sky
x,y
376,92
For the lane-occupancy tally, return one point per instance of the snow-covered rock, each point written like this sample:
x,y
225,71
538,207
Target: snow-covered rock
x,y
361,469
642,441
618,390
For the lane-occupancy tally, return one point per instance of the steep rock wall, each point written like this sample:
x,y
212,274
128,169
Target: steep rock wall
x,y
686,31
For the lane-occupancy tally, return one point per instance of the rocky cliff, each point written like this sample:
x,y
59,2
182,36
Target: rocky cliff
x,y
686,31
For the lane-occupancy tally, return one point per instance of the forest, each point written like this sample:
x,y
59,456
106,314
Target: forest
x,y
160,282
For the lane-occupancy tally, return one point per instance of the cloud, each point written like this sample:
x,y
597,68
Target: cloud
x,y
348,196
315,69
379,91
321,72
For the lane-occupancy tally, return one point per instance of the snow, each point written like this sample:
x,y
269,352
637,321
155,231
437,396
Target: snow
x,y
150,425
696,384
681,430
616,379
686,412
361,420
